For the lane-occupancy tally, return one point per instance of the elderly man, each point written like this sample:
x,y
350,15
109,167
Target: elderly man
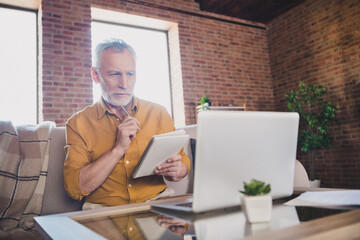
x,y
104,143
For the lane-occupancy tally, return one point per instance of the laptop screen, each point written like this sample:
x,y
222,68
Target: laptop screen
x,y
233,147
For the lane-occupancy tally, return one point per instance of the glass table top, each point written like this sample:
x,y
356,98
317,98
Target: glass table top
x,y
220,224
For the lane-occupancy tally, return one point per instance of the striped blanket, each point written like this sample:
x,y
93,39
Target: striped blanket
x,y
24,155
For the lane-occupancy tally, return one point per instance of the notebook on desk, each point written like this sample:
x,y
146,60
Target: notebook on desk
x,y
233,147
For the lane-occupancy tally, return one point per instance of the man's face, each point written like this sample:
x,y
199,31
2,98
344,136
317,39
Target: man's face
x,y
116,76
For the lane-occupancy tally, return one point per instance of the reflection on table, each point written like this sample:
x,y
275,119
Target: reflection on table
x,y
141,221
168,225
233,225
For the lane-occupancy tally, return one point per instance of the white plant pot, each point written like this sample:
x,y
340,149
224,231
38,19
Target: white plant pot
x,y
315,183
257,208
255,228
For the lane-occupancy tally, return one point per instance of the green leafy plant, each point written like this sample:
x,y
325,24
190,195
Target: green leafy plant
x,y
204,102
255,188
204,99
315,117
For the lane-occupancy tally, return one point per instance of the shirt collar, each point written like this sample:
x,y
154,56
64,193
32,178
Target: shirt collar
x,y
135,106
102,109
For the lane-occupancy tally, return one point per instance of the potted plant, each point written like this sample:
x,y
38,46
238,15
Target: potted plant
x,y
256,201
204,103
316,114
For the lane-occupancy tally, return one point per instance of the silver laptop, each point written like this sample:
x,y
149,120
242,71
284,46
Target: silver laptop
x,y
233,147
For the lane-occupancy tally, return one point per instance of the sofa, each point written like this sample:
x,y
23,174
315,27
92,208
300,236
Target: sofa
x,y
55,198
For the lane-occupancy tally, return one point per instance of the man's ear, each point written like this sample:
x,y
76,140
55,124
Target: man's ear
x,y
94,75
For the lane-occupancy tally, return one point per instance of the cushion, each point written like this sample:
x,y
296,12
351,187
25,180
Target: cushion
x,y
56,199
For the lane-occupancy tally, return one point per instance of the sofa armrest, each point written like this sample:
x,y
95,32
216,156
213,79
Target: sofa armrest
x,y
55,198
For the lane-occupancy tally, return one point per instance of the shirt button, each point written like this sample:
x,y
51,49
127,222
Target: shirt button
x,y
129,185
127,162
130,228
118,119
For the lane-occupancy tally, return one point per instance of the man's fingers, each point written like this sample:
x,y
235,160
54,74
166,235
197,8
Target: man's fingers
x,y
130,121
172,161
171,171
165,166
170,168
174,158
128,124
128,127
126,132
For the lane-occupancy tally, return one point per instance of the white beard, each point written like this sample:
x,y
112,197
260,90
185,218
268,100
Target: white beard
x,y
116,102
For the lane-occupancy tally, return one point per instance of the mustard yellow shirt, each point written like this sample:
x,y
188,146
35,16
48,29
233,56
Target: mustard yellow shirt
x,y
92,132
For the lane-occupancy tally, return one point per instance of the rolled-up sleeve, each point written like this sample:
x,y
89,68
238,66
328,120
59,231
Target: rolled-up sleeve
x,y
77,156
166,123
185,159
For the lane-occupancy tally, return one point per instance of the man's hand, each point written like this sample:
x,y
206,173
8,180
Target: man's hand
x,y
174,225
126,132
173,169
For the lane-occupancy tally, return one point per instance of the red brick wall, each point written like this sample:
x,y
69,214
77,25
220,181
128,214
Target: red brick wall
x,y
227,61
319,42
316,42
66,59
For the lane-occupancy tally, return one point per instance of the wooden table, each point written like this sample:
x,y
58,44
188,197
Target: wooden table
x,y
344,225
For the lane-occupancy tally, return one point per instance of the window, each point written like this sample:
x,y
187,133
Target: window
x,y
170,30
152,69
18,64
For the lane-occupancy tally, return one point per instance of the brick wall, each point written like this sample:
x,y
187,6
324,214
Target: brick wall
x,y
316,42
226,60
66,58
319,42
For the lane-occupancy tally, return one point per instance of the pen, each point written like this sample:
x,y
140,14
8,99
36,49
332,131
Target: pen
x,y
127,113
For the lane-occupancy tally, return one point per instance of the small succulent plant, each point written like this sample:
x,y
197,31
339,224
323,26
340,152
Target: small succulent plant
x,y
255,188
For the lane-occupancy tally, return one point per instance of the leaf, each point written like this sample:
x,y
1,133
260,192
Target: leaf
x,y
315,115
204,99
